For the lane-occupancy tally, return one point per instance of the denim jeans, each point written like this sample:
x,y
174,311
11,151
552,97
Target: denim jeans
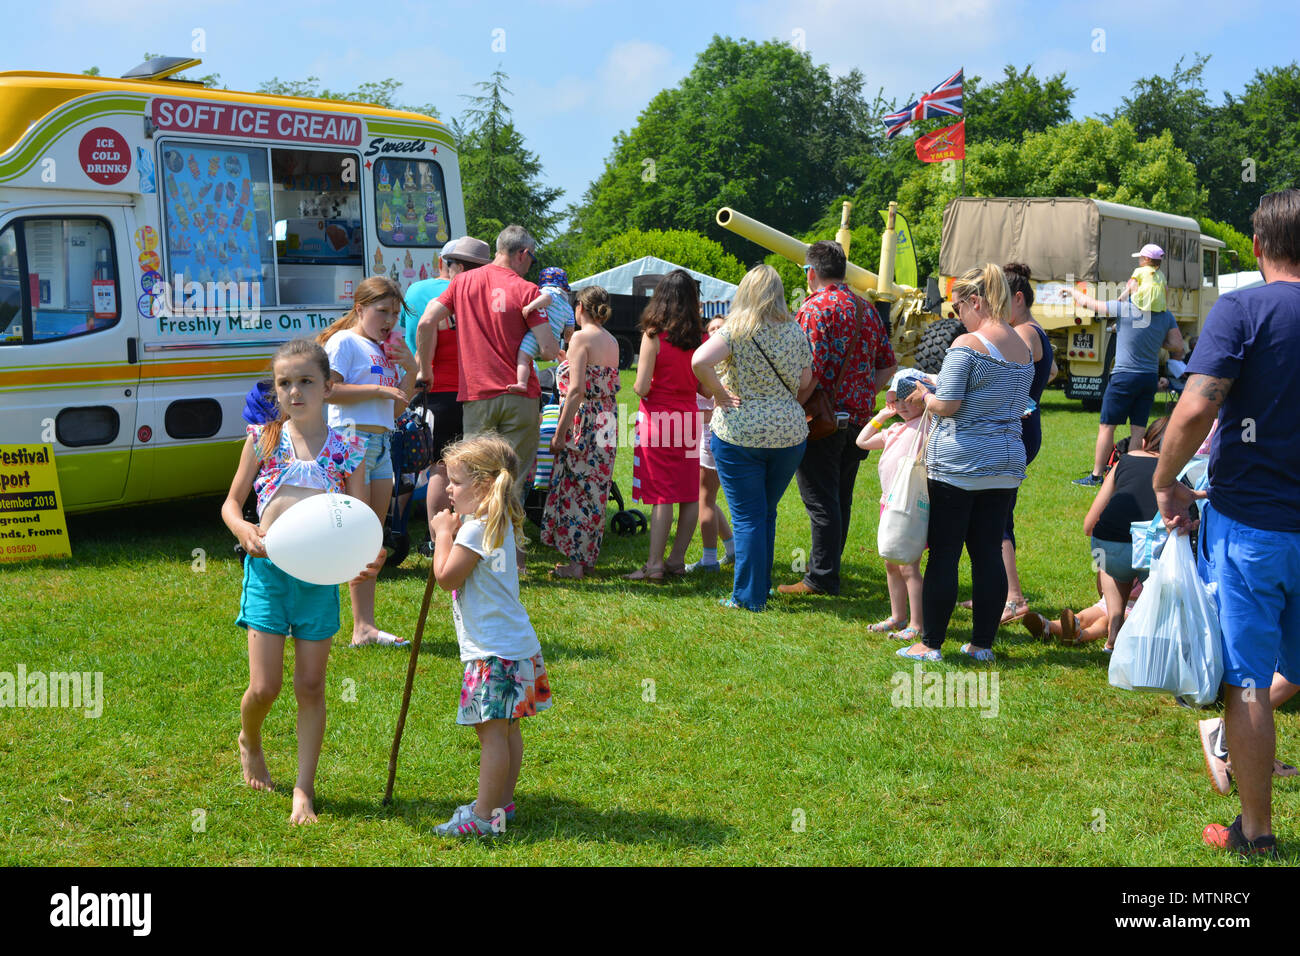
x,y
826,477
754,479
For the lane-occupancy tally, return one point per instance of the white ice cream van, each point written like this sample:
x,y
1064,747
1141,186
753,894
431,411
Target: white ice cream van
x,y
158,240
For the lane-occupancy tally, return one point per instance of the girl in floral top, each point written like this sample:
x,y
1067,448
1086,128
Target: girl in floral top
x,y
291,458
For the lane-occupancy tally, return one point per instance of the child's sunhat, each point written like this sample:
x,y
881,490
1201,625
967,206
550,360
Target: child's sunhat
x,y
1149,251
554,275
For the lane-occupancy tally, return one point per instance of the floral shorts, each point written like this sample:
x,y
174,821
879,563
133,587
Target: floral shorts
x,y
496,689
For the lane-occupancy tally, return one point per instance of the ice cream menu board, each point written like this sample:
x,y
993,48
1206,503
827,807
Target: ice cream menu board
x,y
410,203
212,222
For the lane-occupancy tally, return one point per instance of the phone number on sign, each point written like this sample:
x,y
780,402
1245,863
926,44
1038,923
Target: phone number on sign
x,y
20,549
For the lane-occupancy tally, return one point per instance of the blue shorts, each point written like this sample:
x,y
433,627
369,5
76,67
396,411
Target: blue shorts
x,y
1128,397
1257,574
277,603
1116,559
379,455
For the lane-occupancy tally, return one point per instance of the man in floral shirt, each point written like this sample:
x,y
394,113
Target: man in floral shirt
x,y
830,465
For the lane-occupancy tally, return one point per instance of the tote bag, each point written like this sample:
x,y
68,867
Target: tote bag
x,y
905,522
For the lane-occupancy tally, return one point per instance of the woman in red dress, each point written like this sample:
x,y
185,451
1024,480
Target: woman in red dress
x,y
666,457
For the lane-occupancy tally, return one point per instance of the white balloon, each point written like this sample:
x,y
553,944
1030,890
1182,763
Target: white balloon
x,y
325,539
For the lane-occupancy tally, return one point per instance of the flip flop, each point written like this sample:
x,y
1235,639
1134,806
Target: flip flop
x,y
1039,627
909,633
884,627
1069,629
1014,612
384,640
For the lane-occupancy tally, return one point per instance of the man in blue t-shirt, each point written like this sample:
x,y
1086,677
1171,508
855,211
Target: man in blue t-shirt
x,y
1244,373
1131,389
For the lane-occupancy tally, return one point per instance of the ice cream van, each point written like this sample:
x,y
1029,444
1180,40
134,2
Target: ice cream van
x,y
159,239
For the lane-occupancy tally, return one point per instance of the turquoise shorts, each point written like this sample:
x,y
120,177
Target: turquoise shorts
x,y
277,603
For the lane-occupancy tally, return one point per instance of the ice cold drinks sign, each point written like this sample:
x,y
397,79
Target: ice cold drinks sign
x,y
105,156
257,122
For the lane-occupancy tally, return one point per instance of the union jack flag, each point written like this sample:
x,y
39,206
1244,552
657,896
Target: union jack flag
x,y
943,100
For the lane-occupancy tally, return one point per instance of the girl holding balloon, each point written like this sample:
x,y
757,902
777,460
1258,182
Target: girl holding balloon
x,y
505,677
286,460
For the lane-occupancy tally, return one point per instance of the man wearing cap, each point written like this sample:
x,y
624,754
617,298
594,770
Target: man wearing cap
x,y
1243,375
1143,327
487,304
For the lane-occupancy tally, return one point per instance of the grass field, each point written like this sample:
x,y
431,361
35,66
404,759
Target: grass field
x,y
681,733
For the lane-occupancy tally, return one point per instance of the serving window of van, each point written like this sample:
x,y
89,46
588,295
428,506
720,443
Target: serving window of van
x,y
283,223
410,203
58,279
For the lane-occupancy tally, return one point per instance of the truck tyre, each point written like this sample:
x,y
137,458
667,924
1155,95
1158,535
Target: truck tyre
x,y
935,341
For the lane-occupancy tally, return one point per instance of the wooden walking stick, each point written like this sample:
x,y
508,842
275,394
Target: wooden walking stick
x,y
410,682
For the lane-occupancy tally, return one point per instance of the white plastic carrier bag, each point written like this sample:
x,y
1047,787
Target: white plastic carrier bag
x,y
905,522
1170,642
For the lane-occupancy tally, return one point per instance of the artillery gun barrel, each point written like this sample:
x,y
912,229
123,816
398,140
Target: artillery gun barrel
x,y
788,246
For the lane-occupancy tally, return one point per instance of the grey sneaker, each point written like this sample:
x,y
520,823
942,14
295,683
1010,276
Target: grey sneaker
x,y
727,559
701,566
1089,481
464,823
510,811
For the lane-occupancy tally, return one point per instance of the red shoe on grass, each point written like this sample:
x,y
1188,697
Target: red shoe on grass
x,y
1232,838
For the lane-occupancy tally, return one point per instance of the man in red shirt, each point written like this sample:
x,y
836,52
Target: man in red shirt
x,y
832,317
487,303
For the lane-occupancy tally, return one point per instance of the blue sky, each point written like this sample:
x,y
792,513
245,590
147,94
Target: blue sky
x,y
582,70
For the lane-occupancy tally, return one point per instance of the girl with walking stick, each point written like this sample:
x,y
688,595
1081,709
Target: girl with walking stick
x,y
505,677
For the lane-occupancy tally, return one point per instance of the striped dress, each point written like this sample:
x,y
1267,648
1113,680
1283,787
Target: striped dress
x,y
980,446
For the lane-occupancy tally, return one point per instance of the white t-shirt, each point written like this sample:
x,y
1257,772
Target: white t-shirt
x,y
362,362
490,621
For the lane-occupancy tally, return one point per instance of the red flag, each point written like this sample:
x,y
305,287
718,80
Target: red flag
x,y
941,144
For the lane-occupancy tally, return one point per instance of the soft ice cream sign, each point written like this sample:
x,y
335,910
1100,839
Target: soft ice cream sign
x,y
209,118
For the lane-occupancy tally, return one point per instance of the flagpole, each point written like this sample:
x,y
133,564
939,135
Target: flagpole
x,y
963,131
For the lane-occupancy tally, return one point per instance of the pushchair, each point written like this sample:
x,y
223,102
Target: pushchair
x,y
625,521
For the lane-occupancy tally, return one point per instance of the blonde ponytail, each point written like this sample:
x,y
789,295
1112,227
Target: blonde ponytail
x,y
991,284
491,464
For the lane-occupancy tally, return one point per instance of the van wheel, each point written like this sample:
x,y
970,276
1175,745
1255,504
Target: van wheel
x,y
625,353
935,342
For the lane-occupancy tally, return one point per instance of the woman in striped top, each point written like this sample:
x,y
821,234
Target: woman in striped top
x,y
976,461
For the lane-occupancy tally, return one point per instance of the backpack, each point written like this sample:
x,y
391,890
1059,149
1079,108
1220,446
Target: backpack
x,y
412,439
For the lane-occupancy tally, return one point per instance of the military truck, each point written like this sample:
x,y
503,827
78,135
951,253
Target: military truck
x,y
1066,242
1075,243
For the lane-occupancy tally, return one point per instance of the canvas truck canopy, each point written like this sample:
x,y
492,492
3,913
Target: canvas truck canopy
x,y
1091,239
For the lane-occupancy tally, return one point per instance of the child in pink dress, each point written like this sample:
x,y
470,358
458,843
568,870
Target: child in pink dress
x,y
894,443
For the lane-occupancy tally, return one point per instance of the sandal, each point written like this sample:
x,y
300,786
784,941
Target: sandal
x,y
676,570
384,639
644,573
1069,629
908,633
883,627
1014,611
566,571
1039,627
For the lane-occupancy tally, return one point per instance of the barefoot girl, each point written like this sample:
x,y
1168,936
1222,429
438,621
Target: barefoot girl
x,y
505,678
368,390
292,458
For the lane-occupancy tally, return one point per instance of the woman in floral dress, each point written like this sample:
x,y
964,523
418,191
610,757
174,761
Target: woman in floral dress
x,y
585,439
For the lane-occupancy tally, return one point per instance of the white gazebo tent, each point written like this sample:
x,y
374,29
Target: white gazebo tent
x,y
715,294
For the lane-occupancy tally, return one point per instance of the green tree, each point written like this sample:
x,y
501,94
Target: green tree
x,y
501,179
1236,242
683,247
1019,103
1085,158
377,93
1264,151
756,126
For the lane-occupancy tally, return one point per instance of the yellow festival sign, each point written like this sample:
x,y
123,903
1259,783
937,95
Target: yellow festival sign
x,y
32,524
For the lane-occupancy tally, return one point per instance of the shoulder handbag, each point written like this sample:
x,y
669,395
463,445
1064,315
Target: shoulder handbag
x,y
412,439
